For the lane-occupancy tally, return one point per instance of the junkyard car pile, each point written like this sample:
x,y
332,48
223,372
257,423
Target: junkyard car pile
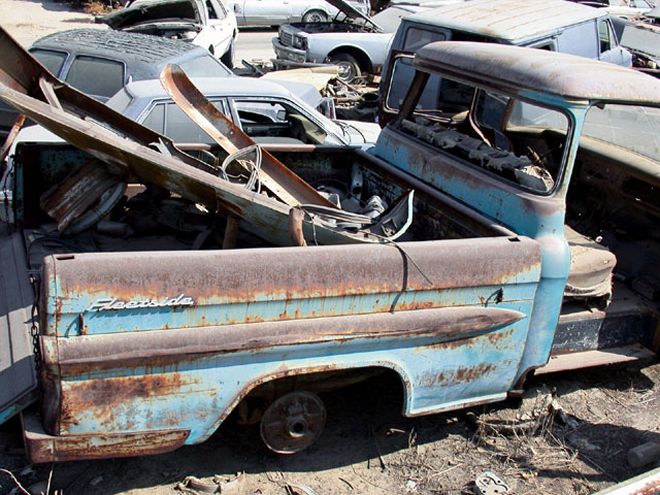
x,y
504,224
99,62
360,44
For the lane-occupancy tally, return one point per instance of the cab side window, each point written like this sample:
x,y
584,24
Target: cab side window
x,y
605,36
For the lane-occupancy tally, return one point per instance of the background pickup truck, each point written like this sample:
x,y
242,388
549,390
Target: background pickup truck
x,y
554,25
484,268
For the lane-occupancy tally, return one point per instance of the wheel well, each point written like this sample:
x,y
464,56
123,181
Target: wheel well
x,y
361,57
316,9
267,389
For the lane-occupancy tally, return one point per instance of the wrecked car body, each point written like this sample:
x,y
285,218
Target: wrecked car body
x,y
150,335
356,43
209,24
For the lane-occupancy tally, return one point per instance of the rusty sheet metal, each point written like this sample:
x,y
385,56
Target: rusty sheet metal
x,y
152,158
451,339
20,71
543,72
277,178
70,198
436,376
11,137
42,447
278,284
76,355
268,217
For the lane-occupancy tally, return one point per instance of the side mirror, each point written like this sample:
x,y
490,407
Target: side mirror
x,y
237,8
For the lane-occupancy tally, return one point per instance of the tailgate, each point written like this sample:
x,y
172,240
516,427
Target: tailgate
x,y
17,373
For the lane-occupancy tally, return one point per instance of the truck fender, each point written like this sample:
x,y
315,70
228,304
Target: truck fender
x,y
286,372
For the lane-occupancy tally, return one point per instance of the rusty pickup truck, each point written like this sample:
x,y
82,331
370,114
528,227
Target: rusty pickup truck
x,y
175,283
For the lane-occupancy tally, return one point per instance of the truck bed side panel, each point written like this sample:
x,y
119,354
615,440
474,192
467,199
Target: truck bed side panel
x,y
450,317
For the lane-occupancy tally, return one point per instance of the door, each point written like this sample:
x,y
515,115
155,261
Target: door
x,y
610,51
17,373
266,12
220,27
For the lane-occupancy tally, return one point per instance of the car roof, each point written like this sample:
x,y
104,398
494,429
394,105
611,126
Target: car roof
x,y
213,86
509,20
117,45
567,76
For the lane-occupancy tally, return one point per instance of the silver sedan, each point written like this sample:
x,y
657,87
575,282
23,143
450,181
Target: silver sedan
x,y
276,12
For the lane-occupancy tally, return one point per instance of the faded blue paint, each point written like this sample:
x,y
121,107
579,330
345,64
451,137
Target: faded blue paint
x,y
509,205
265,307
430,371
198,391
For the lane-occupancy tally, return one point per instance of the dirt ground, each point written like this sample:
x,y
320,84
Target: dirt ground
x,y
368,447
27,20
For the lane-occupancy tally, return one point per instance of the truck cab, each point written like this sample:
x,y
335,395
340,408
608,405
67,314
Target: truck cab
x,y
555,25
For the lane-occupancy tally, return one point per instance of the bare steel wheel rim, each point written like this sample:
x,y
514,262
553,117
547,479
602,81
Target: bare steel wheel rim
x,y
315,16
293,422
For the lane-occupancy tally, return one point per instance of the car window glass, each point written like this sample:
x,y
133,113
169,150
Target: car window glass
x,y
180,129
274,121
96,76
630,127
216,13
605,35
579,40
211,10
155,119
50,59
404,72
205,66
417,38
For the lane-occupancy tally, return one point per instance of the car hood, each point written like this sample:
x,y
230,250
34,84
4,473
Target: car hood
x,y
147,11
351,12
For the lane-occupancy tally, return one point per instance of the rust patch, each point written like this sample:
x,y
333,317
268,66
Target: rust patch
x,y
468,374
104,396
45,448
462,374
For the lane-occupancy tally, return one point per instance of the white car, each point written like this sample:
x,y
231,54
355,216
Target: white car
x,y
207,23
356,43
276,12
